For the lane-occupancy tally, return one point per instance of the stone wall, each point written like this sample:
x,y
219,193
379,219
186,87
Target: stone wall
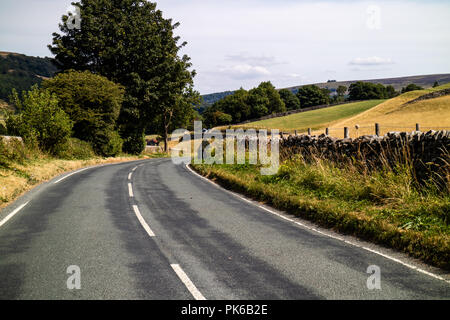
x,y
427,152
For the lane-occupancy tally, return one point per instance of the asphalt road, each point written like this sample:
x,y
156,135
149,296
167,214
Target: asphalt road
x,y
162,232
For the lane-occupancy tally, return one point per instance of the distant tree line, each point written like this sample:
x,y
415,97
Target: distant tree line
x,y
263,100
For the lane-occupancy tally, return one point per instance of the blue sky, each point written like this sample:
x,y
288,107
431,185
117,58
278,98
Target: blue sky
x,y
289,42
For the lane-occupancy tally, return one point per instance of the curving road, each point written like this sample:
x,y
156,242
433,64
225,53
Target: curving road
x,y
154,230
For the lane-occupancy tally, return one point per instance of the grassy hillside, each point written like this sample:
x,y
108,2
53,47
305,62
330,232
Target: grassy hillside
x,y
395,115
314,119
21,72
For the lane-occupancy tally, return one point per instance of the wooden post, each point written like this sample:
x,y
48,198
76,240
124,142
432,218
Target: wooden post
x,y
377,129
309,131
346,134
327,131
295,132
417,127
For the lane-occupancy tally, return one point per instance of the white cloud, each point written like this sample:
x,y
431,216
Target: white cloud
x,y
262,60
371,61
245,71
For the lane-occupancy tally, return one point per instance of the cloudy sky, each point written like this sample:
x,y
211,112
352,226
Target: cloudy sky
x,y
239,43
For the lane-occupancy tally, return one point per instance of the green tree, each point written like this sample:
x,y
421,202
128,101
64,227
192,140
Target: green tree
x,y
435,84
411,87
276,104
130,43
93,103
341,90
291,101
312,95
39,121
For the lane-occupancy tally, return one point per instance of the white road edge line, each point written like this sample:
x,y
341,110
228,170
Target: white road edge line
x,y
320,232
187,282
130,190
129,175
134,168
70,174
142,221
9,216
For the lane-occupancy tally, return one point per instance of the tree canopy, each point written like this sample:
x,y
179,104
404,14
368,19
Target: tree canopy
x,y
312,95
291,101
93,103
131,43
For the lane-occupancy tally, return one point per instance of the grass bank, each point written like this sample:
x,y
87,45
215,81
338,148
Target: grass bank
x,y
314,119
22,169
384,206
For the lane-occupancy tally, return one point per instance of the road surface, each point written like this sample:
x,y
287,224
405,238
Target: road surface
x,y
154,230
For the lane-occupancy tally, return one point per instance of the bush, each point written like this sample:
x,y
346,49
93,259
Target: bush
x,y
134,143
3,130
40,121
108,143
93,103
14,151
76,149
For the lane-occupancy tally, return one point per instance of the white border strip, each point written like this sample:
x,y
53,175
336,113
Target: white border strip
x,y
70,174
9,216
187,282
142,221
320,232
130,190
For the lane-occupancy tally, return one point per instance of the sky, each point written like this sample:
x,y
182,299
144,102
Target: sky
x,y
240,43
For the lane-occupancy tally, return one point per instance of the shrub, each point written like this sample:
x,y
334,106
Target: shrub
x,y
134,143
3,130
14,151
93,103
108,143
76,149
40,121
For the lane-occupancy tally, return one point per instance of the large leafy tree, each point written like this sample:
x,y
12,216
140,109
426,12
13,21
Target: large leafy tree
x,y
312,95
290,99
131,43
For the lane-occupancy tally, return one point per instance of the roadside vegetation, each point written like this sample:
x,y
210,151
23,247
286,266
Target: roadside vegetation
x,y
385,206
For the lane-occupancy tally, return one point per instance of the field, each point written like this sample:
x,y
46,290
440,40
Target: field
x,y
315,119
394,115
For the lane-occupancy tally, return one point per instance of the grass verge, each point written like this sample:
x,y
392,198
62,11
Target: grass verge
x,y
383,207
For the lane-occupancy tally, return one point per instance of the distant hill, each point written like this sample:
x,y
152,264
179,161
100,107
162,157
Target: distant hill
x,y
209,99
425,81
21,72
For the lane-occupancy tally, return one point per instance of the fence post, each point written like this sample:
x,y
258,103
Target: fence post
x,y
417,127
377,129
346,135
295,132
327,131
309,131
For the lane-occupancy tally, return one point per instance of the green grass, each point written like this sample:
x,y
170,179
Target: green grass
x,y
315,119
382,206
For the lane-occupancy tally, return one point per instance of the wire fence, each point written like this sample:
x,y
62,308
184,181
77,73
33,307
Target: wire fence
x,y
376,129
